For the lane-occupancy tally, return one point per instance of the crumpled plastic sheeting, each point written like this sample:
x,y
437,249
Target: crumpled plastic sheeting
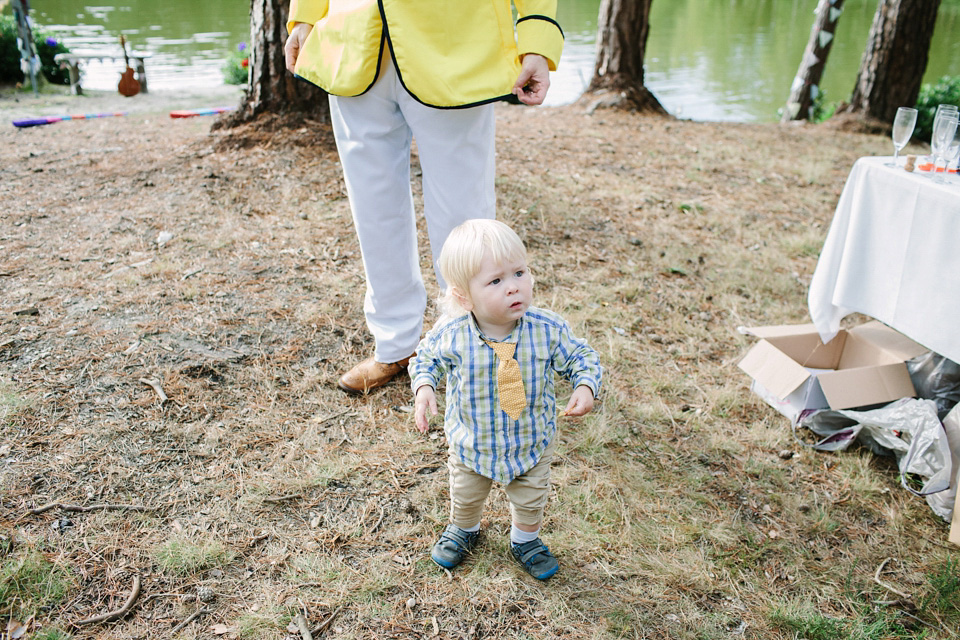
x,y
936,378
943,503
908,429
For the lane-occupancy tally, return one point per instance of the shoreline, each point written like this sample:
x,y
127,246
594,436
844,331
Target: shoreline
x,y
16,104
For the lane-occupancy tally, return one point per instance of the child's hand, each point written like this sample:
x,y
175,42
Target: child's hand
x,y
426,399
581,402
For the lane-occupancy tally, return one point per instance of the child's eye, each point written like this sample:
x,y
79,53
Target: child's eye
x,y
519,274
495,281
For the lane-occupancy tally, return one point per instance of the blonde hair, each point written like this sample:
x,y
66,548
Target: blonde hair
x,y
463,251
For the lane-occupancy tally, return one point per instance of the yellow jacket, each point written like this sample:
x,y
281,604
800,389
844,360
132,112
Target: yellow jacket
x,y
449,53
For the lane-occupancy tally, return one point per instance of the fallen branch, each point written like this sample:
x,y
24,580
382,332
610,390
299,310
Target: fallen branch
x,y
193,616
119,613
155,384
326,623
379,522
258,539
321,421
93,507
876,578
291,496
192,272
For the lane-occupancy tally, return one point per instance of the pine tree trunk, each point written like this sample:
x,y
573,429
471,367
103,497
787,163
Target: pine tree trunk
x,y
806,86
895,58
272,89
621,44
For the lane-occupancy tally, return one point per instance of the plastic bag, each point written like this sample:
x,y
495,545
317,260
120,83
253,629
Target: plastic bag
x,y
908,429
936,378
943,503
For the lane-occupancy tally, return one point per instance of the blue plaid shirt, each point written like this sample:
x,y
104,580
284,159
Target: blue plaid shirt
x,y
478,430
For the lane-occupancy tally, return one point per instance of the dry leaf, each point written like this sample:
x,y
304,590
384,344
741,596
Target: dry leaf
x,y
221,629
16,630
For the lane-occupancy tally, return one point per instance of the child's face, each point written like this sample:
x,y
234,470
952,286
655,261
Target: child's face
x,y
499,294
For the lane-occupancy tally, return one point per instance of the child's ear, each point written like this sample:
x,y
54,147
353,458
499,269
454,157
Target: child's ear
x,y
462,299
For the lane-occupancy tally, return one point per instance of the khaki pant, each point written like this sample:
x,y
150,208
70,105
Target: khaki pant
x,y
527,493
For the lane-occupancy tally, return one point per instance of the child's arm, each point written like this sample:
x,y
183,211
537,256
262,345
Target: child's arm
x,y
581,402
425,369
577,362
426,399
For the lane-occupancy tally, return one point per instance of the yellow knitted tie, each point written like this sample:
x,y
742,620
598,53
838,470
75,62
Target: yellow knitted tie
x,y
513,399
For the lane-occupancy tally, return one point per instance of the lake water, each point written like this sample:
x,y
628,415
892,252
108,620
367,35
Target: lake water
x,y
706,59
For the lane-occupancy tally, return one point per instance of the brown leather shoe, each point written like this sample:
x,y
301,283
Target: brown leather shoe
x,y
370,374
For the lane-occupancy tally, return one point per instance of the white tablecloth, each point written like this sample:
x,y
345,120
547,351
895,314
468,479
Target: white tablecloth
x,y
893,253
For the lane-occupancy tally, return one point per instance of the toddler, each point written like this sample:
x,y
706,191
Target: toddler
x,y
499,356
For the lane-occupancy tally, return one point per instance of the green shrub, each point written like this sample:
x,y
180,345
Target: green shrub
x,y
822,110
235,69
945,91
47,48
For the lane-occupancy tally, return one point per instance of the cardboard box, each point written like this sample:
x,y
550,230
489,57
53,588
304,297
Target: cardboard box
x,y
795,373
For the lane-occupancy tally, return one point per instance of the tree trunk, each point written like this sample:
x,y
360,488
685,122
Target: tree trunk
x,y
895,58
621,44
271,89
806,86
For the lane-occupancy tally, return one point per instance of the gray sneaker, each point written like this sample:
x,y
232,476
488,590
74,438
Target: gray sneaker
x,y
535,558
453,546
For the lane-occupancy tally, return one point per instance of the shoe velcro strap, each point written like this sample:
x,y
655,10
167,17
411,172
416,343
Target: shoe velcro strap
x,y
532,553
455,537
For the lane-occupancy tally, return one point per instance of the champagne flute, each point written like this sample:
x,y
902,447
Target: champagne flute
x,y
946,107
942,109
903,125
944,130
953,152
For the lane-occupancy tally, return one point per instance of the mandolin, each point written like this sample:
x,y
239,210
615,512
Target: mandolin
x,y
128,86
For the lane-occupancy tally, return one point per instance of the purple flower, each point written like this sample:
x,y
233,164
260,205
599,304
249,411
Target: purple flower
x,y
51,42
242,46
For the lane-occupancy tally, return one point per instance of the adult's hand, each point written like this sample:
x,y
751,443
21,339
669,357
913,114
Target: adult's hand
x,y
533,81
291,49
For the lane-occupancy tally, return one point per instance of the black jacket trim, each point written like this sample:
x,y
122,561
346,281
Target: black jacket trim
x,y
546,18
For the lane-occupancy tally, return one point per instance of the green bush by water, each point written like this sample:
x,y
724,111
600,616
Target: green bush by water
x,y
47,48
945,91
235,69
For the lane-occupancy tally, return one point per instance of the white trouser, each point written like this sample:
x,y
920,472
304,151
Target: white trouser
x,y
456,148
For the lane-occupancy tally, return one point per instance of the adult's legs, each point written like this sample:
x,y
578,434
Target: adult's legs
x,y
373,140
457,155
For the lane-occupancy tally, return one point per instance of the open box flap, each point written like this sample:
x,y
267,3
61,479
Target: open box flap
x,y
889,340
773,369
775,331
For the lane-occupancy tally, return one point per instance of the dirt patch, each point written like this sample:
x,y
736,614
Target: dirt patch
x,y
142,255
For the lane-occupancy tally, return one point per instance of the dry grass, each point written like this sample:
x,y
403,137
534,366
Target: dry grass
x,y
672,514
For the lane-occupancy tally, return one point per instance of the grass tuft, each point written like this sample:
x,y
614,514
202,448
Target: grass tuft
x,y
182,556
30,583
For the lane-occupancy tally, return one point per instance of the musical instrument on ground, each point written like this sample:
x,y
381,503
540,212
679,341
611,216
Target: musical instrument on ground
x,y
128,85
